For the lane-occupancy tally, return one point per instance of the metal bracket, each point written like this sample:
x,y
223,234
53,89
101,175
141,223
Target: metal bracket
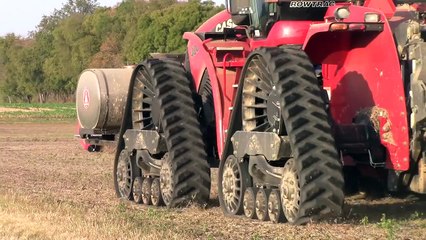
x,y
374,164
268,144
263,173
148,164
144,140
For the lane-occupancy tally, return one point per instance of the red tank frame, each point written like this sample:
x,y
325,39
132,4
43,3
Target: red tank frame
x,y
354,72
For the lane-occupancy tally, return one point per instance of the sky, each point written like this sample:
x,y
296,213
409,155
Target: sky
x,y
22,16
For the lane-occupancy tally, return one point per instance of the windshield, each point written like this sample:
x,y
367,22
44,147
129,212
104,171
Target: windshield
x,y
259,9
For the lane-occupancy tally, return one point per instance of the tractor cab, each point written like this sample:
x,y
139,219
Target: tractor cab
x,y
261,15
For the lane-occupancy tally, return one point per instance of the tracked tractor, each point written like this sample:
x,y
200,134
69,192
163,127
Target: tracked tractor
x,y
295,101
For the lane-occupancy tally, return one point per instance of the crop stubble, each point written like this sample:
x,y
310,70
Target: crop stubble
x,y
51,189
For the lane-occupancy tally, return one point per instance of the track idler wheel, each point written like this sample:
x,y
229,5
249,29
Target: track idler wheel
x,y
167,181
137,190
233,182
275,210
156,198
250,202
125,171
290,191
146,191
262,204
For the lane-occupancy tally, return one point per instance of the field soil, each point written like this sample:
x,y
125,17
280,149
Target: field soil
x,y
51,189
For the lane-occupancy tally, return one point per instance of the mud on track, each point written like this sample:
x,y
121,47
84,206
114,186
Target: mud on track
x,y
51,189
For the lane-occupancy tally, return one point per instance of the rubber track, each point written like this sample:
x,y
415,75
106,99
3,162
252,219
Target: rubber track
x,y
207,99
182,132
308,126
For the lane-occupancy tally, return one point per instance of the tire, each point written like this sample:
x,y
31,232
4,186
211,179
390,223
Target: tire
x,y
94,148
250,203
137,190
125,172
289,75
233,180
262,212
275,210
208,119
190,172
146,191
156,198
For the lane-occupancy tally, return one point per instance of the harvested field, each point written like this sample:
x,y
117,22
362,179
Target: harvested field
x,y
51,189
3,109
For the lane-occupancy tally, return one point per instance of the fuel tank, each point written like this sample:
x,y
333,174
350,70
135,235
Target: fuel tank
x,y
101,97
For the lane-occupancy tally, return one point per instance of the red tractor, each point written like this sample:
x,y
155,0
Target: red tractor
x,y
299,98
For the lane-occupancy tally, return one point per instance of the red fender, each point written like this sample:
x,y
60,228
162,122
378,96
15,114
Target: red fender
x,y
200,60
358,78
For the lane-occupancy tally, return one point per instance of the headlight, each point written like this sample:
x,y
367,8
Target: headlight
x,y
342,13
372,17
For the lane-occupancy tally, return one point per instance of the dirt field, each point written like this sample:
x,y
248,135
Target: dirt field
x,y
51,189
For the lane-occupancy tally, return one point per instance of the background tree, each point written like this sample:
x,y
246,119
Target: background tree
x,y
46,65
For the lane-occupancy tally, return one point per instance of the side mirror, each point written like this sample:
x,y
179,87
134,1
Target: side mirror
x,y
239,10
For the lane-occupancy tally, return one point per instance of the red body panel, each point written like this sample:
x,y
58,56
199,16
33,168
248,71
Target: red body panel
x,y
288,32
355,72
386,6
353,65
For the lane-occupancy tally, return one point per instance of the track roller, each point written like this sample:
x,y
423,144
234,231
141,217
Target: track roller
x,y
262,204
156,198
146,191
137,190
250,202
275,210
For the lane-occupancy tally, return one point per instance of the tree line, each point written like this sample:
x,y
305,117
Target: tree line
x,y
46,65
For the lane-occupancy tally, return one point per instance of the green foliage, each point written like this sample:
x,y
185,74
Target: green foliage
x,y
46,66
364,221
256,237
37,111
416,215
390,225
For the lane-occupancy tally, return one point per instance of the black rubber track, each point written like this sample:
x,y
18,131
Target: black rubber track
x,y
308,126
181,127
208,120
